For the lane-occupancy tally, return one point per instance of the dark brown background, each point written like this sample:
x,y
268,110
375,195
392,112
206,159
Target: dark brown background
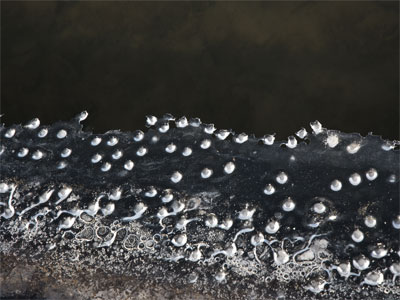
x,y
255,67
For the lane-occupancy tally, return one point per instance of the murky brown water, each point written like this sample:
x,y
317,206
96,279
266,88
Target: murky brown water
x,y
254,67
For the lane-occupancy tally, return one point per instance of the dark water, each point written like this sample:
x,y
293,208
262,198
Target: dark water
x,y
255,67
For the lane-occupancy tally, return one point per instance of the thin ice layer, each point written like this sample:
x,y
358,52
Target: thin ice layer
x,y
207,207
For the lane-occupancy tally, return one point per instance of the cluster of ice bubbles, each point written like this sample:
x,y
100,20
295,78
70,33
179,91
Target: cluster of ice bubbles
x,y
295,271
134,239
131,237
243,266
388,287
303,264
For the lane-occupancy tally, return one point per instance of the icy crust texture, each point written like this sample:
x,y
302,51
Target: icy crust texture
x,y
186,208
